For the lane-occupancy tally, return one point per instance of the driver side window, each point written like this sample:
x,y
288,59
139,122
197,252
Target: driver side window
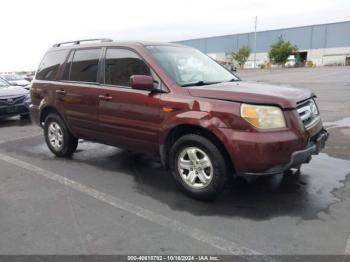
x,y
121,64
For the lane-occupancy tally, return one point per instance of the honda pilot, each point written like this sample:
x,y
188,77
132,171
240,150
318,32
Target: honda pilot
x,y
206,125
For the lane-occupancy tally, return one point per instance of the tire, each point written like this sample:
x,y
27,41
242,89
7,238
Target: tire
x,y
188,148
58,138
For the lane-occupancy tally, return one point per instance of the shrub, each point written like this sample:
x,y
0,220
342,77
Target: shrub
x,y
280,51
241,56
310,64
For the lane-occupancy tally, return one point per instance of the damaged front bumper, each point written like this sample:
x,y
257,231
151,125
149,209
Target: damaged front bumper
x,y
315,145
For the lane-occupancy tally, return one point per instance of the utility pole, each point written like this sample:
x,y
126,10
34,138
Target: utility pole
x,y
255,25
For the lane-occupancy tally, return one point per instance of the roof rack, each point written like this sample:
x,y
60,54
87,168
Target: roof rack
x,y
77,42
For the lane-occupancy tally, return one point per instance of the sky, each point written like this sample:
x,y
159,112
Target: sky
x,y
30,27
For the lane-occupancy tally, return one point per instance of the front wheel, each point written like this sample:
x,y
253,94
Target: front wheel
x,y
198,166
58,138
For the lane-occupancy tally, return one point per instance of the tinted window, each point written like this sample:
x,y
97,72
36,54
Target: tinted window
x,y
121,64
50,64
85,65
66,73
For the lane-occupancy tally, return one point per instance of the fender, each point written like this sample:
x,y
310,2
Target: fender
x,y
199,119
196,118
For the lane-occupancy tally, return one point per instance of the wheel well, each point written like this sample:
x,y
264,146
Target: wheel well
x,y
51,110
182,130
45,112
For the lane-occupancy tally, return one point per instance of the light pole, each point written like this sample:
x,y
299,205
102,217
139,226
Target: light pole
x,y
255,25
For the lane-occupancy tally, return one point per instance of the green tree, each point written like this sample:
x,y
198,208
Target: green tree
x,y
280,51
241,56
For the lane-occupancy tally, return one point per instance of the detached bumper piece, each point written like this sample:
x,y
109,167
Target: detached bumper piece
x,y
316,144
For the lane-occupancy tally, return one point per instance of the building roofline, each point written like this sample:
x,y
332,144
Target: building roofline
x,y
270,30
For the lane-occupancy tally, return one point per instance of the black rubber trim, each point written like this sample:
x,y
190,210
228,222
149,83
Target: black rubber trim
x,y
298,157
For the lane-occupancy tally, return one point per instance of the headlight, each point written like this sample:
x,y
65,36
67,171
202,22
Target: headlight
x,y
27,99
313,107
264,117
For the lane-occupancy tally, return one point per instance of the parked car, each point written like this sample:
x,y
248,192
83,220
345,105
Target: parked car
x,y
14,100
29,77
28,87
291,61
206,125
294,61
15,79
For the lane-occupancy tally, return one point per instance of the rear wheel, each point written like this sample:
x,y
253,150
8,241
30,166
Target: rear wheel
x,y
198,166
58,138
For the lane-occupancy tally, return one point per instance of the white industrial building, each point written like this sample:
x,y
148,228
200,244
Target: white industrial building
x,y
323,44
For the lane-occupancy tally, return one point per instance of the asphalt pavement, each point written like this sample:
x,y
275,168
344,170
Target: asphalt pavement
x,y
107,200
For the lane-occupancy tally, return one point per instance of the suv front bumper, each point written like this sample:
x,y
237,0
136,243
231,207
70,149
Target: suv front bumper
x,y
299,157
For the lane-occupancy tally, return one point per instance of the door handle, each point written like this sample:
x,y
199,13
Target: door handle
x,y
61,92
105,97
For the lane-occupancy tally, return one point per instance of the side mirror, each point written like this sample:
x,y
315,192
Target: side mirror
x,y
141,82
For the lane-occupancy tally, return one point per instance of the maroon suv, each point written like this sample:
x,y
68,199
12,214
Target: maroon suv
x,y
173,101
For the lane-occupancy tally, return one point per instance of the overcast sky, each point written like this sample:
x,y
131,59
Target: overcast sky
x,y
28,28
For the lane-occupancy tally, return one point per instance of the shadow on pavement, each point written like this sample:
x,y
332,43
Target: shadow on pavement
x,y
301,195
15,121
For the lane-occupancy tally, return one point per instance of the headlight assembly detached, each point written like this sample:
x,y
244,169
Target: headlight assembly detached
x,y
263,117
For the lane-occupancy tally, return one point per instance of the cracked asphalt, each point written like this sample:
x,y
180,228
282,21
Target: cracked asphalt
x,y
111,201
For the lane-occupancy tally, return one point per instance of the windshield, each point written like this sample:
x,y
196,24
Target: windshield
x,y
12,77
3,83
190,67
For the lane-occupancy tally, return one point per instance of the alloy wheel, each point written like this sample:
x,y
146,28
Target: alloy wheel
x,y
55,135
195,167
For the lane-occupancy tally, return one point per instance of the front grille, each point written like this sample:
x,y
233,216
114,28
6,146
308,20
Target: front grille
x,y
12,101
11,110
307,111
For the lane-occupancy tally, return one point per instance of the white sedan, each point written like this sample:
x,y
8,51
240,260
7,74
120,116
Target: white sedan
x,y
15,79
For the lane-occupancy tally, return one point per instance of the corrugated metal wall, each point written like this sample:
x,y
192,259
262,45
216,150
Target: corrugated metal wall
x,y
306,37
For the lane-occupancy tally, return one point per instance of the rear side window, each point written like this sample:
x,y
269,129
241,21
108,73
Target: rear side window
x,y
84,65
49,65
66,73
121,64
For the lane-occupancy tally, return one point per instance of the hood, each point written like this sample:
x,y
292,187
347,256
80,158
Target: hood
x,y
253,92
22,82
12,91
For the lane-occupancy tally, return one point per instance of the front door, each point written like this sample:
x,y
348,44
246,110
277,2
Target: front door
x,y
128,117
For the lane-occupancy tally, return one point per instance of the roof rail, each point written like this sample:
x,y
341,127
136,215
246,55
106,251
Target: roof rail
x,y
77,42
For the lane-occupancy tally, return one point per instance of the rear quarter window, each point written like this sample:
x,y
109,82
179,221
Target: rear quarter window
x,y
50,64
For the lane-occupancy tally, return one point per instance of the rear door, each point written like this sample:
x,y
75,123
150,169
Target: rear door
x,y
128,117
77,95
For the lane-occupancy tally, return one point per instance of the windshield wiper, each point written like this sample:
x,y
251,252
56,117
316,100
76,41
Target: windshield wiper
x,y
234,80
199,83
